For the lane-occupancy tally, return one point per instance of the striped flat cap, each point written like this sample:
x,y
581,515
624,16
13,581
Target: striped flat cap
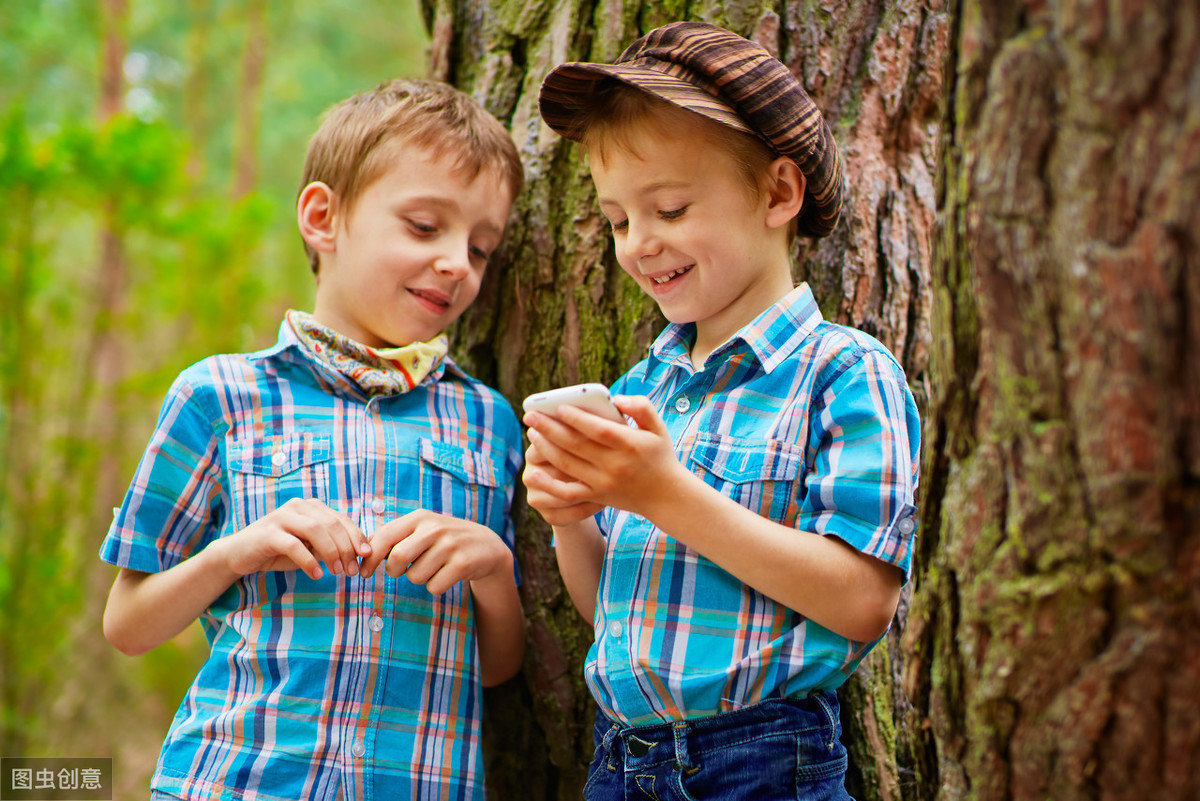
x,y
734,81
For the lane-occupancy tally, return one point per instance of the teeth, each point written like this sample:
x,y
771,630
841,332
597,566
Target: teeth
x,y
662,279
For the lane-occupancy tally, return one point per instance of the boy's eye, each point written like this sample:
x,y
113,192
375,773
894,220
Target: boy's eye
x,y
422,227
480,254
674,214
619,225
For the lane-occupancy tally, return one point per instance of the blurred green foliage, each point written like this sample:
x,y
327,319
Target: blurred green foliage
x,y
125,256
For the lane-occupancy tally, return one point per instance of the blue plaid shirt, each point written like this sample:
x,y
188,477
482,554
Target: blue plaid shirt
x,y
345,687
808,423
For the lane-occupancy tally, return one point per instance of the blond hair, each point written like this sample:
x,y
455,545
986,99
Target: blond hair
x,y
348,150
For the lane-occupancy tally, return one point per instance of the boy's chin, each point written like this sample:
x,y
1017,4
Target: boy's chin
x,y
675,315
407,336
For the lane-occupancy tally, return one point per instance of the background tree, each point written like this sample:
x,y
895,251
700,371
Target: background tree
x,y
557,309
1054,645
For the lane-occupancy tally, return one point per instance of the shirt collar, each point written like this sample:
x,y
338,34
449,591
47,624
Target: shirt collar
x,y
771,337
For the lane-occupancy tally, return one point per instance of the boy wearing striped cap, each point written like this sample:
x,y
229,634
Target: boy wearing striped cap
x,y
743,547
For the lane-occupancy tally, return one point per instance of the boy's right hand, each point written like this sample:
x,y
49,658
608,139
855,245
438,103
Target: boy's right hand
x,y
542,479
300,535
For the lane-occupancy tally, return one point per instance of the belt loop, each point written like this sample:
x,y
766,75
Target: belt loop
x,y
607,745
830,718
680,731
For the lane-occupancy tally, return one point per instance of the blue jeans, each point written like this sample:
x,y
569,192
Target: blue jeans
x,y
778,749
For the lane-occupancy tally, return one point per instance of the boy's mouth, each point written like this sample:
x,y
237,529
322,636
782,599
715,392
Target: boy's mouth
x,y
665,277
438,299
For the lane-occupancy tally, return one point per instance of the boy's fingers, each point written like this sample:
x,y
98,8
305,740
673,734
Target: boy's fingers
x,y
533,455
551,485
332,536
547,469
289,546
564,460
384,542
642,411
410,548
420,569
353,543
566,514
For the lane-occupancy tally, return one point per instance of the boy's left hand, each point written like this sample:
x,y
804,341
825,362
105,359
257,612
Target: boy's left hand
x,y
437,550
610,464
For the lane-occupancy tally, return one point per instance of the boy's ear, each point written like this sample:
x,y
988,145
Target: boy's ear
x,y
316,216
785,191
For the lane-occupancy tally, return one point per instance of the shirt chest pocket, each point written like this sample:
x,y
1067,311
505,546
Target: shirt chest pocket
x,y
462,483
761,475
266,474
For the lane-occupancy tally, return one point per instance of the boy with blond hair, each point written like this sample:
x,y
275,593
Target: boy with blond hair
x,y
277,483
743,546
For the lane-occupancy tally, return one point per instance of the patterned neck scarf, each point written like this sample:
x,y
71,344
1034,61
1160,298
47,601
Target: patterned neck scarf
x,y
376,371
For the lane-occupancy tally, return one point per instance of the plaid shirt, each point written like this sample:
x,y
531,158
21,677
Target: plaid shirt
x,y
346,687
807,423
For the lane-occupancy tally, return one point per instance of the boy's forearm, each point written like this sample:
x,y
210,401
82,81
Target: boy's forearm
x,y
500,627
820,577
144,610
579,549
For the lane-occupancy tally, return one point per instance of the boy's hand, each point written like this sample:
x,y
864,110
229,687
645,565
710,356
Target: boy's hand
x,y
301,535
545,485
603,463
437,550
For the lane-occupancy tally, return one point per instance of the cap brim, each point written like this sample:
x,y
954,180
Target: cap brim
x,y
567,89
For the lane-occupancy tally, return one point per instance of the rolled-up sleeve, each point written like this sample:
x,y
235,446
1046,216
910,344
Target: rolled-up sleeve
x,y
864,442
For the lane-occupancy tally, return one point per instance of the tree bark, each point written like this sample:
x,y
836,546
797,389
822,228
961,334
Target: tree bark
x,y
557,309
1053,641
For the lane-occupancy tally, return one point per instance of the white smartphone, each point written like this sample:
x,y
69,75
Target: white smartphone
x,y
594,398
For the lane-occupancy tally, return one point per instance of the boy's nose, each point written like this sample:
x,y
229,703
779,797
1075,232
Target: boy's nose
x,y
642,242
454,263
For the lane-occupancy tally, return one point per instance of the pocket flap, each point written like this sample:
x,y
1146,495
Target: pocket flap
x,y
279,456
469,466
740,461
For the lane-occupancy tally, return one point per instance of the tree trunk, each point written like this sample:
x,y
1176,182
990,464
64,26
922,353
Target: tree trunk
x,y
557,309
197,116
249,107
1053,648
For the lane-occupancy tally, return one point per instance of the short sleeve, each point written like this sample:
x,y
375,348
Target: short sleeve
x,y
172,508
864,438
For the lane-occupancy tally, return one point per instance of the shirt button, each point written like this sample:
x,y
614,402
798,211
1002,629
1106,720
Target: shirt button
x,y
378,506
682,404
359,748
615,629
376,623
278,458
907,525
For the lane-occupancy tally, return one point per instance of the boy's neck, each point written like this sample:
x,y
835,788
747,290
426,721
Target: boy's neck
x,y
711,334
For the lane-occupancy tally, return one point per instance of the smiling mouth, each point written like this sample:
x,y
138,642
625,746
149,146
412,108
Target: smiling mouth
x,y
662,279
435,298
